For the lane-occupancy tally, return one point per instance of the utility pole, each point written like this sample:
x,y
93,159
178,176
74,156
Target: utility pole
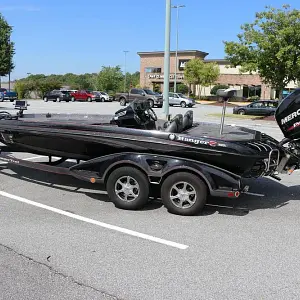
x,y
10,58
125,53
177,35
167,59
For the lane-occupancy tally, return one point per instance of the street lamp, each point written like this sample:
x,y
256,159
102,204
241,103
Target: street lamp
x,y
176,55
125,52
167,59
10,57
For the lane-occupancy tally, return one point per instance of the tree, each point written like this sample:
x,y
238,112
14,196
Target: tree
x,y
200,73
182,88
109,79
43,86
269,46
7,48
23,88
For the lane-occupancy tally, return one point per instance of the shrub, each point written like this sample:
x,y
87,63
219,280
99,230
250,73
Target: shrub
x,y
182,88
253,98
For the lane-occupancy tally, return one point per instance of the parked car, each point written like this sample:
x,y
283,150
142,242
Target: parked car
x,y
104,96
180,99
140,94
57,95
84,95
257,108
6,95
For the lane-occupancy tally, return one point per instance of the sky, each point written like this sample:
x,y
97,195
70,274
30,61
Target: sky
x,y
62,36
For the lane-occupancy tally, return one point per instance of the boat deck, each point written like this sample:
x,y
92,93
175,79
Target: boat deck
x,y
230,133
83,119
90,121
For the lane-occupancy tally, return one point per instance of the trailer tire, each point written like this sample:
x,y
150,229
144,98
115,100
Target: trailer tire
x,y
191,190
136,185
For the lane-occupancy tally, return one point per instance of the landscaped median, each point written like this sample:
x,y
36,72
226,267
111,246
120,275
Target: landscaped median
x,y
216,103
247,117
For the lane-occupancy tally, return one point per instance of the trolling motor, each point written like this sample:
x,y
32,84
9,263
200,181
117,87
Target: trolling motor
x,y
225,95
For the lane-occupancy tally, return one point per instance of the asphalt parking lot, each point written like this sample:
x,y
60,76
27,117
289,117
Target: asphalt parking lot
x,y
61,238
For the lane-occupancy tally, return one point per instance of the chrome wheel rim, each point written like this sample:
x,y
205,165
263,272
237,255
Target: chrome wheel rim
x,y
127,188
183,195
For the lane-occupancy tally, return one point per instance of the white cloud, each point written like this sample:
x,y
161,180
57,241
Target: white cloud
x,y
22,8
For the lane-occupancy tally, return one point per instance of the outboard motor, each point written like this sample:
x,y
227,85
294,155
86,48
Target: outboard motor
x,y
288,115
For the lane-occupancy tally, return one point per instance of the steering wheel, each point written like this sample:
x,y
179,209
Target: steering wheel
x,y
151,113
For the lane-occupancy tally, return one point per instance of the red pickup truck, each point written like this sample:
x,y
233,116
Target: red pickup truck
x,y
84,95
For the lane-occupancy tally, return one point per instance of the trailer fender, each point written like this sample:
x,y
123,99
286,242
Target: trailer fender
x,y
158,167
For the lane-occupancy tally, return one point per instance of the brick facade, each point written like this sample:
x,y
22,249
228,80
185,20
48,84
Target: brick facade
x,y
156,60
230,77
247,80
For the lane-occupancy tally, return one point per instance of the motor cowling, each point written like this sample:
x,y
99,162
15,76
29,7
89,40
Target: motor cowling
x,y
288,115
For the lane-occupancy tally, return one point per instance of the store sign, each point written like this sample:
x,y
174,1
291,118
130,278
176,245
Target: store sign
x,y
182,63
161,76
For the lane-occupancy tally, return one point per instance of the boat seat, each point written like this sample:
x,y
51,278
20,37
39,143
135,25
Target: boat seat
x,y
188,119
175,125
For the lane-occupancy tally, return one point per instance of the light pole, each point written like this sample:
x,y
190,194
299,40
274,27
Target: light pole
x,y
167,59
125,53
10,58
176,55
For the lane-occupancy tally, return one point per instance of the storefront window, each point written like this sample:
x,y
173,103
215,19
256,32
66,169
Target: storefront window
x,y
252,91
152,70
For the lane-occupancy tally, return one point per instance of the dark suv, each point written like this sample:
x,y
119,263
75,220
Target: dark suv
x,y
57,95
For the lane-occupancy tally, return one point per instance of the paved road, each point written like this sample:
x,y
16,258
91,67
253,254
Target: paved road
x,y
58,240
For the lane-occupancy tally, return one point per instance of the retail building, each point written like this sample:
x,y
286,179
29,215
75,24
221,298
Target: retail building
x,y
152,74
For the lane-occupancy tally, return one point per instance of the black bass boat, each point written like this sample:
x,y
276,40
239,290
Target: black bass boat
x,y
132,150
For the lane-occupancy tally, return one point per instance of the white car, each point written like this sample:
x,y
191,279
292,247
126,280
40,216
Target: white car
x,y
180,99
103,96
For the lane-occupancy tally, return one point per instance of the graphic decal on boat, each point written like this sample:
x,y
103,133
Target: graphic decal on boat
x,y
295,125
174,137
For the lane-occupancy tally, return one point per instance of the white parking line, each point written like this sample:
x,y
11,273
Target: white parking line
x,y
91,221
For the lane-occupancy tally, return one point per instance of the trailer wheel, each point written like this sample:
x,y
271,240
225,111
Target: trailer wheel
x,y
184,194
128,188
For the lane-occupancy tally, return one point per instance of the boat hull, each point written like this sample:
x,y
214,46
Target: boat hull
x,y
90,141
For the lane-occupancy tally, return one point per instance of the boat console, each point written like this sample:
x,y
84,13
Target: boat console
x,y
139,115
